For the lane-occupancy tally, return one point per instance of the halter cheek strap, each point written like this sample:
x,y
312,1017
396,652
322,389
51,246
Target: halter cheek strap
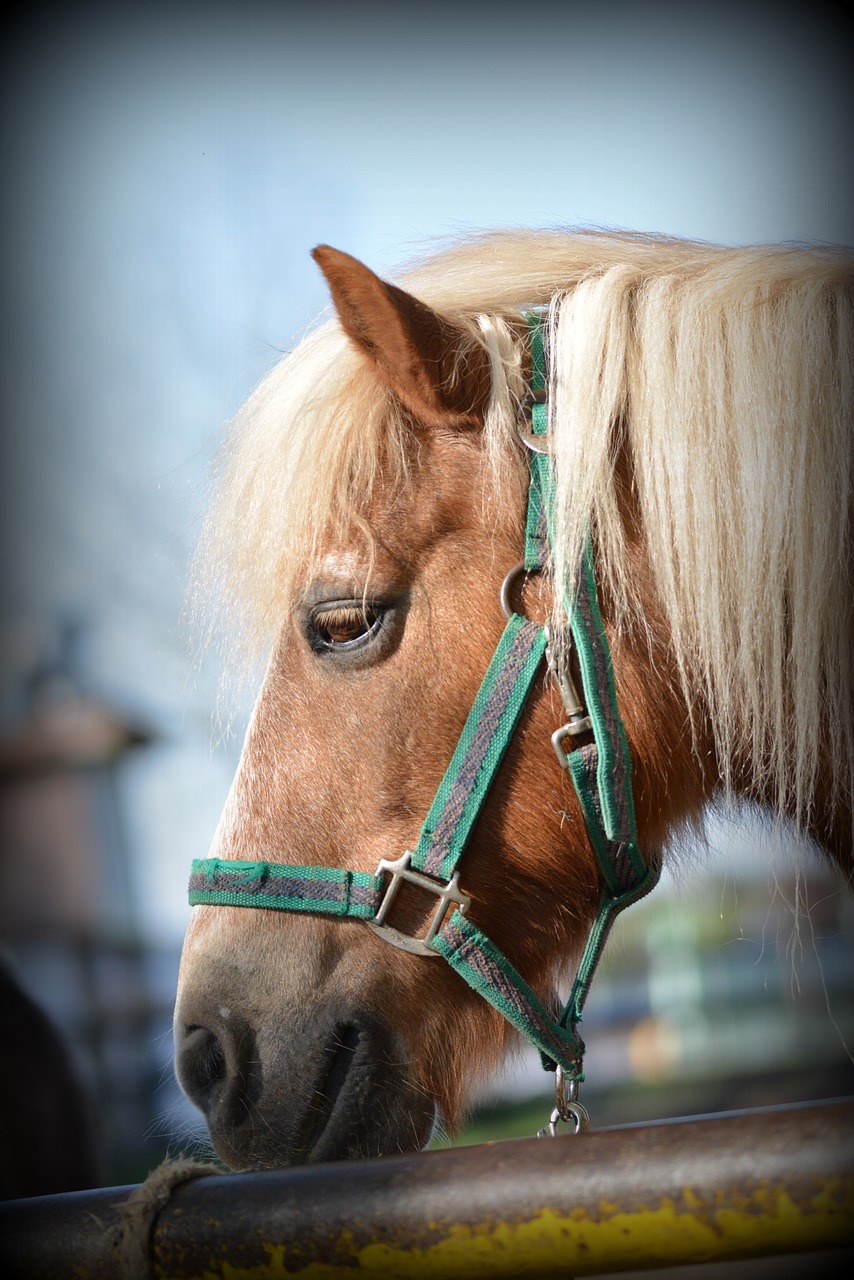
x,y
600,771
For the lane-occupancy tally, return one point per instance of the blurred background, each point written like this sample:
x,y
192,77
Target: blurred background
x,y
167,169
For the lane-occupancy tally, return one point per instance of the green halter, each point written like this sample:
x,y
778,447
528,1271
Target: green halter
x,y
600,770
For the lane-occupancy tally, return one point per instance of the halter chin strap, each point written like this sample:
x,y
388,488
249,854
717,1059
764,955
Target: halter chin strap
x,y
600,771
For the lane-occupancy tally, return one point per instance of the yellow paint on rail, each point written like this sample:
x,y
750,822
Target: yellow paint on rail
x,y
735,1225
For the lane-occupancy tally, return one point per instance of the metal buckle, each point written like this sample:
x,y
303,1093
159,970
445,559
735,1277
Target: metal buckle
x,y
399,871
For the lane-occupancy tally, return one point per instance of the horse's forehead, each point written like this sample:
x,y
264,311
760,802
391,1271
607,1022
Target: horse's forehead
x,y
441,493
354,558
383,553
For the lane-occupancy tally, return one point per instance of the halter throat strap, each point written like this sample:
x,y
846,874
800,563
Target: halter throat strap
x,y
600,771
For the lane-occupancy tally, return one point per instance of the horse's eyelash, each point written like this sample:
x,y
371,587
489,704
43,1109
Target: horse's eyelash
x,y
339,615
358,616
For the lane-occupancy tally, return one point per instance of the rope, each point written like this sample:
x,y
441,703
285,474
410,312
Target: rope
x,y
132,1245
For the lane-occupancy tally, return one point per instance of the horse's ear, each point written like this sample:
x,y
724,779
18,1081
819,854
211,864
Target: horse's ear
x,y
433,367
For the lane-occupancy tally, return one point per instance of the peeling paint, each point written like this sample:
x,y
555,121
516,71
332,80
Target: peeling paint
x,y
674,1232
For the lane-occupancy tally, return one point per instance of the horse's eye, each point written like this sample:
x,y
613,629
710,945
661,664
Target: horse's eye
x,y
343,625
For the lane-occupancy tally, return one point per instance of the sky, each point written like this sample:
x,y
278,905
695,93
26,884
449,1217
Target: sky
x,y
167,170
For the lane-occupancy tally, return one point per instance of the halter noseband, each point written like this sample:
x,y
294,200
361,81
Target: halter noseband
x,y
600,771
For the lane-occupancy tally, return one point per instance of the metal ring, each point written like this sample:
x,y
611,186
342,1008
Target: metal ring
x,y
537,443
508,584
577,1117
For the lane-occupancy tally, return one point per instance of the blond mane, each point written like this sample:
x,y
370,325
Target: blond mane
x,y
730,373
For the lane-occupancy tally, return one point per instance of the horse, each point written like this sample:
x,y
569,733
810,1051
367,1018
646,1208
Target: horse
x,y
696,404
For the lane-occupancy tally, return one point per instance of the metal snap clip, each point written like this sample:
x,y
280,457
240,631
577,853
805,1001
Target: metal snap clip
x,y
567,1108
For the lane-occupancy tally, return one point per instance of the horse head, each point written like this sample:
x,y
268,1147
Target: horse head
x,y
304,1037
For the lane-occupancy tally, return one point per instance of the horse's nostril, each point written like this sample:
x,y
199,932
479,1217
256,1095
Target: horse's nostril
x,y
338,1058
219,1071
341,1051
201,1066
210,1064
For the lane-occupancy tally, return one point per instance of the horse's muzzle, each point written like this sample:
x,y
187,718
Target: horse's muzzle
x,y
331,1085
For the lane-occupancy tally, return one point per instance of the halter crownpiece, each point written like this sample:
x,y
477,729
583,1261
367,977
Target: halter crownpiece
x,y
601,774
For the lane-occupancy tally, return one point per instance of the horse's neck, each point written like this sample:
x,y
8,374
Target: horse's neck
x,y
675,767
674,770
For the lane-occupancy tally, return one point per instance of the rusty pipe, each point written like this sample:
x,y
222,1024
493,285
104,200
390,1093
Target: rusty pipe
x,y
741,1185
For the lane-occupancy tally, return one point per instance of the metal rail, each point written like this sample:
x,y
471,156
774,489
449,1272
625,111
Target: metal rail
x,y
742,1185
